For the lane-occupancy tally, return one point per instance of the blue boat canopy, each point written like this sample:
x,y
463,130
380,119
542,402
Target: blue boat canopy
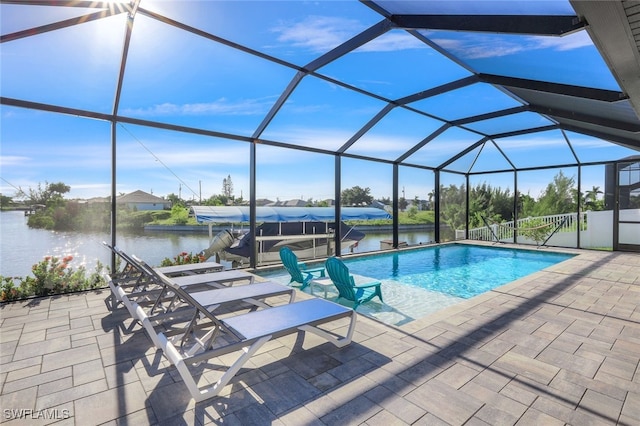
x,y
240,214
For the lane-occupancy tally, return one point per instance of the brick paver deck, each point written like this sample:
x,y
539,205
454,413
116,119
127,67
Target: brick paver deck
x,y
561,346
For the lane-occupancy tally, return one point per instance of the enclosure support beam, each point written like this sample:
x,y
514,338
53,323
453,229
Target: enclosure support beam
x,y
466,208
113,193
338,202
579,207
436,234
396,205
515,206
253,259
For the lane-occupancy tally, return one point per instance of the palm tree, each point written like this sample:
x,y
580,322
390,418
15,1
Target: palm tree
x,y
591,198
431,194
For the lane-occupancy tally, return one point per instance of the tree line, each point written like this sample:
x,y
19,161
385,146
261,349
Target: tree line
x,y
493,203
496,205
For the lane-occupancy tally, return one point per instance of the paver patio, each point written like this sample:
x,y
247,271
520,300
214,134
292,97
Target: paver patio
x,y
561,346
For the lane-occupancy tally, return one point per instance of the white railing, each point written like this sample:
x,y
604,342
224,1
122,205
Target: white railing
x,y
504,231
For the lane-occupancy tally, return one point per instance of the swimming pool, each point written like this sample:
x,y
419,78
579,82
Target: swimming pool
x,y
421,281
459,270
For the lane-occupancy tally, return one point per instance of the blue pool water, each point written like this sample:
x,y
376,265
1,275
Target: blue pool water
x,y
419,282
459,270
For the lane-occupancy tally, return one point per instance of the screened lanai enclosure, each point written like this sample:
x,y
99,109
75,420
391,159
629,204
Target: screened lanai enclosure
x,y
513,121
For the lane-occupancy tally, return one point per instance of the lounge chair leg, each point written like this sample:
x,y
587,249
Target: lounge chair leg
x,y
114,291
211,391
146,323
337,341
237,365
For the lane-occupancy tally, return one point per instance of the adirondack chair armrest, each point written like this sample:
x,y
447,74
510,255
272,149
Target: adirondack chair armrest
x,y
304,269
369,284
319,270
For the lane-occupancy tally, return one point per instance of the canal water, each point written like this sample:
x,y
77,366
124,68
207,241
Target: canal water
x,y
21,246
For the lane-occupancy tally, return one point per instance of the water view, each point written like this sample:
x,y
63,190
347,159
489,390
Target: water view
x,y
21,246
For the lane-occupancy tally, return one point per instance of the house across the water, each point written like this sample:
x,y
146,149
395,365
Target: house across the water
x,y
140,200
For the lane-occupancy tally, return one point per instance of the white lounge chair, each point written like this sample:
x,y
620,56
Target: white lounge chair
x,y
208,337
135,282
197,284
130,280
190,269
155,300
229,277
182,312
130,269
173,270
180,299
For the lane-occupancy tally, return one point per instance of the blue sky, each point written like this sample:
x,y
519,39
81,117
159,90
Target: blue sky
x,y
183,79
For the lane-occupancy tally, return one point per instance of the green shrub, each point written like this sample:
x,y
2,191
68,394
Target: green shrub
x,y
52,275
179,214
41,220
536,229
135,219
9,291
161,215
183,258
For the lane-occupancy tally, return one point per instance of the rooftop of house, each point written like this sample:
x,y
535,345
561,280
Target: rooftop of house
x,y
140,197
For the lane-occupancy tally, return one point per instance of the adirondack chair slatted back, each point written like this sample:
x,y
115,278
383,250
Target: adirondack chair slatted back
x,y
339,274
290,262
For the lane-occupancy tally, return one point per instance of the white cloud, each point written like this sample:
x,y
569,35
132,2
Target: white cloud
x,y
222,106
307,109
136,156
85,191
55,155
591,143
569,42
13,160
392,41
370,145
533,143
481,46
322,138
318,34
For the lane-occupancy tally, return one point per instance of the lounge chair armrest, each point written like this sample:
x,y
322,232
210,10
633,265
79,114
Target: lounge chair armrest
x,y
369,284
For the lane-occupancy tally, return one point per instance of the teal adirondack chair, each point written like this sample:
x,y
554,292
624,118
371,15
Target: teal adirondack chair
x,y
347,288
298,270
